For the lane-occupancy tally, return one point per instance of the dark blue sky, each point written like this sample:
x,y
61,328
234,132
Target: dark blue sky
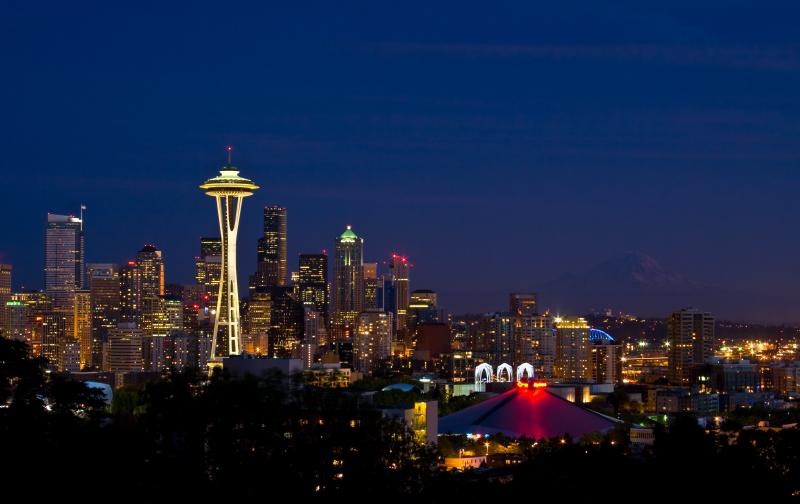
x,y
498,144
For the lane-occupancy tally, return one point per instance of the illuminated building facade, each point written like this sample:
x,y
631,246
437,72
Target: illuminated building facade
x,y
271,266
63,261
373,341
496,341
348,284
229,191
536,342
287,323
5,296
371,288
150,263
208,270
402,295
690,334
125,349
573,351
422,308
82,327
130,293
313,289
606,362
104,292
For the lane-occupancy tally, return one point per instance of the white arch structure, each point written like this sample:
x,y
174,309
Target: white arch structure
x,y
509,372
524,368
483,374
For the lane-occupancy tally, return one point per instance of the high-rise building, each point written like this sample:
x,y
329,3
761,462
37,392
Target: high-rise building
x,y
125,349
496,342
422,308
150,262
82,327
348,284
313,289
373,340
104,291
606,362
690,334
287,323
536,343
5,297
573,351
524,304
271,267
63,259
371,287
229,191
400,278
130,293
33,306
208,270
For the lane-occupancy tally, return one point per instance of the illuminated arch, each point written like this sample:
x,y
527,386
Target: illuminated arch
x,y
524,368
483,374
509,372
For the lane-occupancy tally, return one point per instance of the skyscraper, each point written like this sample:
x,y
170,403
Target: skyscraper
x,y
130,293
690,334
400,277
82,327
348,284
63,259
151,266
573,351
5,296
208,269
313,283
371,287
373,340
104,291
229,190
271,267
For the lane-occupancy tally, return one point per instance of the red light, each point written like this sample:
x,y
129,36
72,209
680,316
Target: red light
x,y
522,384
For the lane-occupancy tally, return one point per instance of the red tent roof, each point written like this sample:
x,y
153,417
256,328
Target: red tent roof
x,y
534,413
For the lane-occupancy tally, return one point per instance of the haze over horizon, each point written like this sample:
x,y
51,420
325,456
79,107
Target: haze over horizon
x,y
516,149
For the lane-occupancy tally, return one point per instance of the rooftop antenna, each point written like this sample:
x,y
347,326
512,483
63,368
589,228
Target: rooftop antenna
x,y
230,150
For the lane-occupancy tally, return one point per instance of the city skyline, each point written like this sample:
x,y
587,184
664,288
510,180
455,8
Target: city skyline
x,y
643,129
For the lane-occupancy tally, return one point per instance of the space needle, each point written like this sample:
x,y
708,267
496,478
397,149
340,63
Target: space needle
x,y
229,189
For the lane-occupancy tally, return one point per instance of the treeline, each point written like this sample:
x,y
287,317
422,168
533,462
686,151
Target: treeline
x,y
188,436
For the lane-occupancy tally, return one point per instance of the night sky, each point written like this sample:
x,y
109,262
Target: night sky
x,y
499,145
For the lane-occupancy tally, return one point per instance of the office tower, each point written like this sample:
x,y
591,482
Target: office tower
x,y
606,362
536,343
5,297
33,306
690,334
523,305
53,336
573,352
422,308
287,323
229,191
63,260
256,322
271,266
400,278
82,327
496,342
312,283
371,286
314,332
130,293
348,284
208,270
125,349
150,262
104,292
373,340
